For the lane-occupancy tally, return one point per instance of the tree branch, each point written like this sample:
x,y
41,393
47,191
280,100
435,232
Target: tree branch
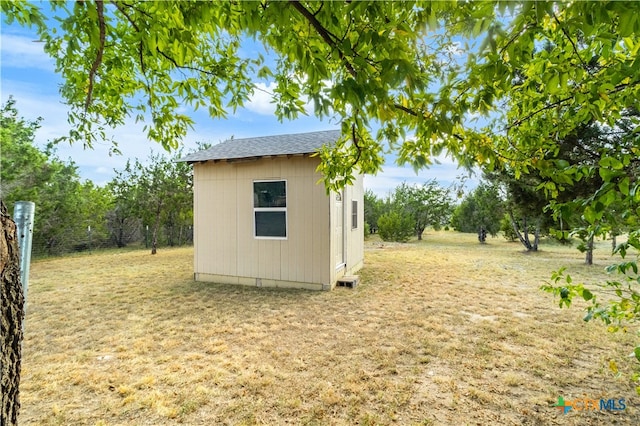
x,y
329,38
96,63
538,111
185,67
515,37
355,142
575,48
616,89
131,6
126,15
405,109
135,26
319,9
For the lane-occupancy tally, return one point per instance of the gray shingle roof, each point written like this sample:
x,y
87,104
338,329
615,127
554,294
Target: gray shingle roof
x,y
301,143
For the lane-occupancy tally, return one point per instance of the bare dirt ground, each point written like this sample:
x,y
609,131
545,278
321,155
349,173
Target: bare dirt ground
x,y
441,332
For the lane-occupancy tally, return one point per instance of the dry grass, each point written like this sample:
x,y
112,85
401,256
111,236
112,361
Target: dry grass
x,y
441,332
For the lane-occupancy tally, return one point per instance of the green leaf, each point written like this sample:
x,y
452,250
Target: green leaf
x,y
588,317
553,84
611,162
626,24
590,215
624,186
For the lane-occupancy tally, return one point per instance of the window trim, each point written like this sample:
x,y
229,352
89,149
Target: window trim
x,y
270,209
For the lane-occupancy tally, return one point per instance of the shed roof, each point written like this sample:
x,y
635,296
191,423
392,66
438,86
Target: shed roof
x,y
266,146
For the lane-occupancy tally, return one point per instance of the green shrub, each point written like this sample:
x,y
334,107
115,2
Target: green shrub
x,y
395,226
506,227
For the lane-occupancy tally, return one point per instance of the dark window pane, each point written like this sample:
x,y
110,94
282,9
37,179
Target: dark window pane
x,y
271,224
354,214
270,194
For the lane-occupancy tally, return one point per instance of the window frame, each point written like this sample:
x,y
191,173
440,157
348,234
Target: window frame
x,y
354,214
270,209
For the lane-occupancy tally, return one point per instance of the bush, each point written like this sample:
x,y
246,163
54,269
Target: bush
x,y
396,226
506,227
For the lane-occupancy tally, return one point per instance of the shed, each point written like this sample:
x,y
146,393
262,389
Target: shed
x,y
262,218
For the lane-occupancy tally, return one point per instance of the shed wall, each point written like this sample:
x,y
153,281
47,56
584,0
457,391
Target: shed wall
x,y
355,236
225,247
352,238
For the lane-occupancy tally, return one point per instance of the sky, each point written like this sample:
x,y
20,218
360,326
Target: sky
x,y
27,74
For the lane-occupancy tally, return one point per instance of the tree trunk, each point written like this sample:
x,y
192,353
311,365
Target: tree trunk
x,y
525,241
154,239
12,306
613,242
156,226
482,235
120,242
525,230
589,252
536,236
419,232
154,233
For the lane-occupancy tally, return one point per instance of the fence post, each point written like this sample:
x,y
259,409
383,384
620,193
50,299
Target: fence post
x,y
23,215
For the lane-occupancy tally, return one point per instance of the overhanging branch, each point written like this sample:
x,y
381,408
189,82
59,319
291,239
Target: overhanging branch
x,y
96,63
326,35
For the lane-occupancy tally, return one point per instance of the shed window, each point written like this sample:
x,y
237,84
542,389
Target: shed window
x,y
354,214
270,208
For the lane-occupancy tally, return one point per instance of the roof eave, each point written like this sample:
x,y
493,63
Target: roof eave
x,y
248,159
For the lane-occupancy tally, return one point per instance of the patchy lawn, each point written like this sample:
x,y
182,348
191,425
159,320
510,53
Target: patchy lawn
x,y
439,332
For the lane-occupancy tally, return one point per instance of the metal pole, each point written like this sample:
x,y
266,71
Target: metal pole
x,y
23,215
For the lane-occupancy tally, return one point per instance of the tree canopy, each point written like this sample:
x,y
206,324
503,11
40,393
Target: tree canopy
x,y
159,193
482,208
66,206
76,215
428,204
383,63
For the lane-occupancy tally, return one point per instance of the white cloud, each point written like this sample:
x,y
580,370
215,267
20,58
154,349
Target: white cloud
x,y
24,52
261,101
446,172
32,102
95,164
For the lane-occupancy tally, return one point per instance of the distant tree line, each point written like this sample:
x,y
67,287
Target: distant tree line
x,y
145,204
150,203
527,207
408,211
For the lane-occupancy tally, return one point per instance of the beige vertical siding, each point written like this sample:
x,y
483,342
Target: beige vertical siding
x,y
332,231
215,202
353,238
225,246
